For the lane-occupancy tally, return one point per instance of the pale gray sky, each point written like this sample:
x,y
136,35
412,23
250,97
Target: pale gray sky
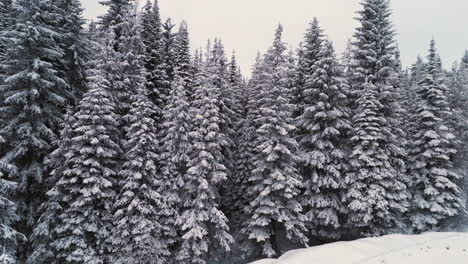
x,y
248,25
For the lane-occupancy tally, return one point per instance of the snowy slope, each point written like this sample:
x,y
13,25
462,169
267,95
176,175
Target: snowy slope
x,y
429,248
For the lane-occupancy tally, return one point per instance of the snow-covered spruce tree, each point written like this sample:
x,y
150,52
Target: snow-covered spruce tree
x,y
324,146
114,18
274,183
55,162
183,61
138,233
238,96
234,74
113,72
203,225
121,56
458,102
404,95
247,146
309,52
175,156
137,230
256,84
410,100
169,44
242,154
75,45
9,237
374,195
417,70
217,75
86,188
151,35
33,97
132,65
435,189
373,67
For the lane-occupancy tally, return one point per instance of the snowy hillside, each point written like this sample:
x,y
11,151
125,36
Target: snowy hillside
x,y
429,248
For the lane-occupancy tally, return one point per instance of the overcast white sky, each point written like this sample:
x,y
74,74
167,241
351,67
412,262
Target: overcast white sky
x,y
247,26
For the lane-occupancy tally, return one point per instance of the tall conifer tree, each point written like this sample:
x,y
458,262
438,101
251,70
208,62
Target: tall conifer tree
x,y
217,75
175,154
182,57
274,182
324,147
43,234
202,223
169,58
372,77
86,189
436,193
34,95
114,18
309,54
138,234
75,45
152,37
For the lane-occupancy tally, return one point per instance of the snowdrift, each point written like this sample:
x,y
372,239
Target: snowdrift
x,y
429,248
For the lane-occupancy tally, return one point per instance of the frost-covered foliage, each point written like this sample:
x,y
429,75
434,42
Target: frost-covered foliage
x,y
139,232
182,57
436,193
274,182
242,152
217,75
245,149
204,227
151,35
9,237
6,21
33,96
86,188
458,103
120,146
55,163
169,58
114,17
308,55
175,154
324,145
377,161
76,47
376,198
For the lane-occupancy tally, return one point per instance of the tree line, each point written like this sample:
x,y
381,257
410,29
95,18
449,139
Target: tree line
x,y
119,145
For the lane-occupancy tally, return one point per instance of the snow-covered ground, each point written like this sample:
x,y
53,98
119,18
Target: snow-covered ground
x,y
429,248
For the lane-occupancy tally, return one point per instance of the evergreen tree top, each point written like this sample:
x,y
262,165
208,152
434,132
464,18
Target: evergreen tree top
x,y
465,58
275,56
313,39
235,76
279,46
151,25
433,59
182,50
374,42
115,13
